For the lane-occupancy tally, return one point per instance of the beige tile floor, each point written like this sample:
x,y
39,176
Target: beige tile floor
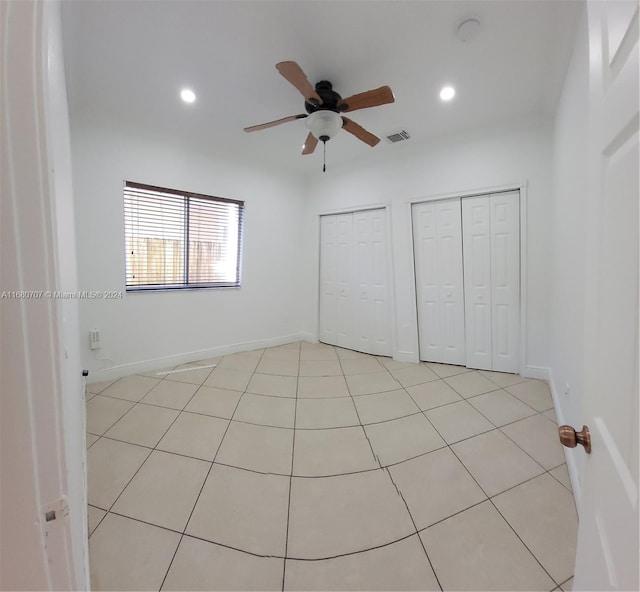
x,y
309,467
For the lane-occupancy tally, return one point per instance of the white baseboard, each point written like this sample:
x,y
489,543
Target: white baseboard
x,y
305,336
569,453
546,374
161,363
539,372
406,356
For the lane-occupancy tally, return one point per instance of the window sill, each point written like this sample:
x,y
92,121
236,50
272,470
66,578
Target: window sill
x,y
178,290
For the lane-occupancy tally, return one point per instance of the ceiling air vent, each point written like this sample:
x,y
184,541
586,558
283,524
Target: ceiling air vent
x,y
399,136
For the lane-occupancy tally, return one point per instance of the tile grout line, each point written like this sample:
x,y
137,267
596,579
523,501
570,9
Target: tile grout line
x,y
99,521
199,538
400,387
352,397
329,428
495,428
499,428
151,448
139,402
396,487
222,464
375,456
293,451
563,583
382,546
311,429
182,535
415,526
151,451
525,545
184,410
490,500
492,503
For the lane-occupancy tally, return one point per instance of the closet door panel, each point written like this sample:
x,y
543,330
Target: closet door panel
x,y
363,312
476,224
329,289
344,256
425,244
451,281
439,283
381,284
505,285
354,285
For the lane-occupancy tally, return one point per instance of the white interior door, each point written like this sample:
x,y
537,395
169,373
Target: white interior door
x,y
343,271
451,281
427,266
505,281
491,245
329,289
371,328
607,555
476,224
354,286
437,233
381,285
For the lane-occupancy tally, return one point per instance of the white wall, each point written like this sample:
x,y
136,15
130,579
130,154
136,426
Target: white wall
x,y
143,331
570,235
464,164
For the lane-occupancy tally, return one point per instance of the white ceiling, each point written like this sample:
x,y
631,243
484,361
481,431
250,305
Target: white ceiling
x,y
127,61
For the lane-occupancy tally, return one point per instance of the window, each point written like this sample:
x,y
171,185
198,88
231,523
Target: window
x,y
175,239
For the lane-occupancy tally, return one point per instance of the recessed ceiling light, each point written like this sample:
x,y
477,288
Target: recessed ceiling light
x,y
187,95
447,93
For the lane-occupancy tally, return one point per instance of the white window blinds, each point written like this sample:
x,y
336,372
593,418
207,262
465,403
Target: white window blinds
x,y
177,239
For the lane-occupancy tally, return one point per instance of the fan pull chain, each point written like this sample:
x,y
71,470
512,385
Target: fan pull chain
x,y
324,157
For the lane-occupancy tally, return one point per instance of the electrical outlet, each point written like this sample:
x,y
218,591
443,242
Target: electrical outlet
x,y
94,339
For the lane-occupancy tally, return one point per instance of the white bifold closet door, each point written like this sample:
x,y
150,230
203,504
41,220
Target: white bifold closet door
x,y
437,235
354,281
491,245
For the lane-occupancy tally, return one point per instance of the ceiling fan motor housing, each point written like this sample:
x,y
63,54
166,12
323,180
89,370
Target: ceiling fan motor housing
x,y
329,98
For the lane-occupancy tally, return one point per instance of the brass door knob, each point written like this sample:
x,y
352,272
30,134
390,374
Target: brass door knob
x,y
570,438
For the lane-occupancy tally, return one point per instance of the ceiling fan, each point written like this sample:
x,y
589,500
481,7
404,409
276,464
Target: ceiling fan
x,y
323,107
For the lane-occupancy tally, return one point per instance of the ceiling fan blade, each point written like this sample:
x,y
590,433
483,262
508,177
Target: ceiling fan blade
x,y
369,98
294,74
255,128
309,144
359,132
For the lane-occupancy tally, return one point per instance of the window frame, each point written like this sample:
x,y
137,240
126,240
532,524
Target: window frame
x,y
185,195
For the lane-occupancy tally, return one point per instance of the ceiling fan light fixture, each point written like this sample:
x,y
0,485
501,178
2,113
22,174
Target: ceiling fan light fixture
x,y
324,124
